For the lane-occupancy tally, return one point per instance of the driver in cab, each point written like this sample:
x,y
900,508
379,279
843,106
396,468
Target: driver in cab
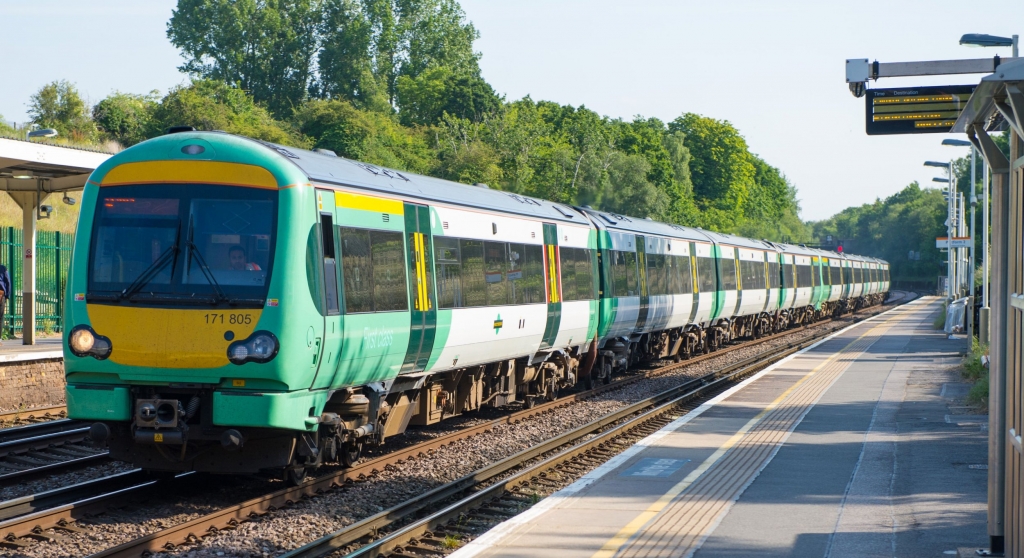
x,y
239,261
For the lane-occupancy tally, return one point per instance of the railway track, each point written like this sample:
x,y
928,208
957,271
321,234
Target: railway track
x,y
26,520
45,447
31,416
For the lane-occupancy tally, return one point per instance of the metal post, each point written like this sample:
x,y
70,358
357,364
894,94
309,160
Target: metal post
x,y
998,356
949,236
983,314
970,296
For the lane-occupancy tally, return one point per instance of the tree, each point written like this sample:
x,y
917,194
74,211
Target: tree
x,y
364,135
265,47
720,167
125,117
58,105
213,105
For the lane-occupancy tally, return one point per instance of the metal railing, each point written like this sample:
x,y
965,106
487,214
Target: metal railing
x,y
53,259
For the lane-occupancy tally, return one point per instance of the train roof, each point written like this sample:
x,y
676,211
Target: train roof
x,y
327,168
623,223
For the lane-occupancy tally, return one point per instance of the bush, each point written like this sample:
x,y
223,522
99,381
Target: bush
x,y
973,370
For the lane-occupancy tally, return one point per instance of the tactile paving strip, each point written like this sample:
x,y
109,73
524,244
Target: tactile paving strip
x,y
680,521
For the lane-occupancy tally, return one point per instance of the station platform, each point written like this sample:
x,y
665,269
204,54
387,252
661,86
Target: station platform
x,y
13,350
856,446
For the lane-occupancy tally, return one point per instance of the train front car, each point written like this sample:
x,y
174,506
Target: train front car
x,y
178,350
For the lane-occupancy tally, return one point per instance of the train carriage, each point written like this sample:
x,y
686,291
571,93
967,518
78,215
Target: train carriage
x,y
238,306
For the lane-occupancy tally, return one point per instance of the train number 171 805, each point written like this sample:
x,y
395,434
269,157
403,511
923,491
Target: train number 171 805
x,y
237,319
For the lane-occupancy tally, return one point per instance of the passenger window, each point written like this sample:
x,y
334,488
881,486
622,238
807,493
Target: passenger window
x,y
495,263
474,286
449,272
728,271
390,292
531,286
585,267
706,275
374,271
567,259
355,268
656,275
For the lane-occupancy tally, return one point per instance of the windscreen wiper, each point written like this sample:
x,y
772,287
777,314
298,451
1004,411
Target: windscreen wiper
x,y
150,272
192,249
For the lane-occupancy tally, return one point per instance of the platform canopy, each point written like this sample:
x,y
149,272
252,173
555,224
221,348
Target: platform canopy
x,y
29,172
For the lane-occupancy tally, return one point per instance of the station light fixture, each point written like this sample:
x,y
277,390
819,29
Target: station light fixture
x,y
983,40
937,179
957,143
44,133
936,164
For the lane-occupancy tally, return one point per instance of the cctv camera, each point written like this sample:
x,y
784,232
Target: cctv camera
x,y
45,211
857,88
68,200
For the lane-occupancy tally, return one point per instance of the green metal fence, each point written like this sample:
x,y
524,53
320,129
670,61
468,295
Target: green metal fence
x,y
53,259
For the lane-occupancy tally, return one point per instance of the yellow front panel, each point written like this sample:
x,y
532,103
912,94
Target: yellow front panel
x,y
190,172
171,338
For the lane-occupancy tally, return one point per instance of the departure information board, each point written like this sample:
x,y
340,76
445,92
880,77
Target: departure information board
x,y
915,110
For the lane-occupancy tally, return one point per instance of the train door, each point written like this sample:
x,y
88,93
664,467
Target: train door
x,y
328,340
553,285
423,317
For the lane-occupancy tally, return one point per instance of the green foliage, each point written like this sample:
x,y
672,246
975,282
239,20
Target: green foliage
x,y
364,135
721,168
213,105
890,229
5,128
125,117
265,47
58,105
975,372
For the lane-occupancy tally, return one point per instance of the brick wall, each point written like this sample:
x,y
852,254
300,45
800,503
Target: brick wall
x,y
38,383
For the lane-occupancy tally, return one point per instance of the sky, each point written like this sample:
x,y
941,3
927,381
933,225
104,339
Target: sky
x,y
774,69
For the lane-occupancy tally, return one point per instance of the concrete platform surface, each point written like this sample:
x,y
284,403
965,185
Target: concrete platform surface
x,y
857,446
13,350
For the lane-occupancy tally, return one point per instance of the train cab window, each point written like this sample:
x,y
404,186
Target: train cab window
x,y
167,243
229,241
623,272
706,275
728,271
373,269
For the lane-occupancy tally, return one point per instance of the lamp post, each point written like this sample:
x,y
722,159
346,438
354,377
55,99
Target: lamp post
x,y
983,40
950,270
973,257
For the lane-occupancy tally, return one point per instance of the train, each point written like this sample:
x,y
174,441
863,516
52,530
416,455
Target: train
x,y
237,306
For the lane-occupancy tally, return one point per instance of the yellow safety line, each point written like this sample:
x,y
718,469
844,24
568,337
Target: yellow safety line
x,y
611,547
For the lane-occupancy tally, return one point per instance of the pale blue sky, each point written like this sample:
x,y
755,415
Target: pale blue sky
x,y
775,68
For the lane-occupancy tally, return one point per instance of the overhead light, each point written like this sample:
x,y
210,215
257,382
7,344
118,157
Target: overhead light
x,y
937,179
22,174
936,164
44,133
983,40
957,143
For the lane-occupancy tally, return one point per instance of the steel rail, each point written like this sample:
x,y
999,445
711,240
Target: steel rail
x,y
36,414
233,515
663,403
13,531
40,429
70,494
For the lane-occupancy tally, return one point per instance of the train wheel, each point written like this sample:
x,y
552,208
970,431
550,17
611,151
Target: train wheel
x,y
351,452
295,474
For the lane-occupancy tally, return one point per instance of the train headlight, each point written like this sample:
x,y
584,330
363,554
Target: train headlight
x,y
261,346
83,341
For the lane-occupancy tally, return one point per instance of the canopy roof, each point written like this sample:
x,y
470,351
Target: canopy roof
x,y
28,166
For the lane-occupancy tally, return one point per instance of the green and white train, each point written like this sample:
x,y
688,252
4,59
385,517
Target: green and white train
x,y
237,306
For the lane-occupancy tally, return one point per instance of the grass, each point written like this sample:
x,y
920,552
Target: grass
x,y
451,541
975,372
940,321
